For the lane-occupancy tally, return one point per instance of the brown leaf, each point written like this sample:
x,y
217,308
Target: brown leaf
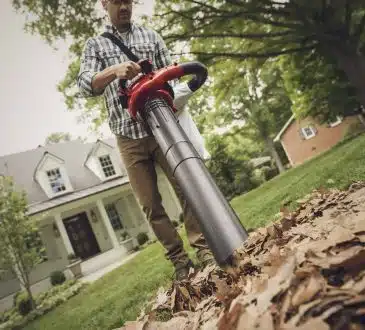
x,y
230,319
275,285
307,230
176,323
312,324
161,299
355,301
173,299
351,257
285,211
274,231
246,321
307,290
265,322
285,307
359,286
303,309
133,326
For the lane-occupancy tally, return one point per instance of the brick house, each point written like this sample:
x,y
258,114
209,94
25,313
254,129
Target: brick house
x,y
306,138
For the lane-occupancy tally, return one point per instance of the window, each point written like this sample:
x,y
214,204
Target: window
x,y
56,181
113,215
107,166
308,132
336,122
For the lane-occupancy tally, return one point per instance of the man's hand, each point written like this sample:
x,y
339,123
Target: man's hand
x,y
127,70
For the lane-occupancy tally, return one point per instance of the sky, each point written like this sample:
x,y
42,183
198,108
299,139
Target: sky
x,y
31,108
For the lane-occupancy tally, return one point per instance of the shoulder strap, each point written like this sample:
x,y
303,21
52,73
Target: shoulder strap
x,y
121,46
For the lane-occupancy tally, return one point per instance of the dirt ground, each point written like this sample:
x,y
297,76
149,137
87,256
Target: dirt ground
x,y
304,271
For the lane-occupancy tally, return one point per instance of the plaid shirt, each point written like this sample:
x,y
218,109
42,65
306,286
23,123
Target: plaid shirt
x,y
100,53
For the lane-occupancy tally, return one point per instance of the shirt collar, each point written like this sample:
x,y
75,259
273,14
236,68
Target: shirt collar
x,y
112,29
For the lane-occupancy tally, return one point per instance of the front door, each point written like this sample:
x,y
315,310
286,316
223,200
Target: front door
x,y
81,236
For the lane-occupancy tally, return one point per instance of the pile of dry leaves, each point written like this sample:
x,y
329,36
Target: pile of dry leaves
x,y
305,271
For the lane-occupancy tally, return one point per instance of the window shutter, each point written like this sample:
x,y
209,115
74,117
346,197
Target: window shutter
x,y
301,134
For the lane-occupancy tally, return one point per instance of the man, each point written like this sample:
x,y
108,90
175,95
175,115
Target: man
x,y
102,65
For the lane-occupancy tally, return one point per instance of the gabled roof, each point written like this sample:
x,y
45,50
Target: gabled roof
x,y
285,127
41,162
95,147
21,167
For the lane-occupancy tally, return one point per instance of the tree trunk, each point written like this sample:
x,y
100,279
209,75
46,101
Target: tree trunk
x,y
353,64
30,294
25,276
361,119
270,145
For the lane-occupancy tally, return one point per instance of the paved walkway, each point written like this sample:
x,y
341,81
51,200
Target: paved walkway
x,y
103,271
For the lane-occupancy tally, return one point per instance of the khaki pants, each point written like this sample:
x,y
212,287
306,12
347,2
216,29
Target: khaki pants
x,y
139,157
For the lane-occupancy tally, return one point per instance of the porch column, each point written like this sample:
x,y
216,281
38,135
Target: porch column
x,y
64,235
108,226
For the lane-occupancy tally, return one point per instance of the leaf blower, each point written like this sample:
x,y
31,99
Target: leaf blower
x,y
150,96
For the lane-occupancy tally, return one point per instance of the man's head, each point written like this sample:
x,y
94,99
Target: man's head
x,y
119,11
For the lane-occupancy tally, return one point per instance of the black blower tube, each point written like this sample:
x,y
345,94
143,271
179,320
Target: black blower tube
x,y
219,223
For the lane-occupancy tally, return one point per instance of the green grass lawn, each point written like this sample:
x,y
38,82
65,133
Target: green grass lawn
x,y
118,296
343,164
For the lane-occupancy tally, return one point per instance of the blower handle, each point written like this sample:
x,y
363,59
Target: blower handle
x,y
153,84
200,72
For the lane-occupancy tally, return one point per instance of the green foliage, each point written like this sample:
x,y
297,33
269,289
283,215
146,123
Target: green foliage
x,y
23,303
126,289
175,223
241,30
124,236
268,172
254,95
46,301
214,31
57,138
19,244
341,166
142,238
57,278
233,176
354,130
321,90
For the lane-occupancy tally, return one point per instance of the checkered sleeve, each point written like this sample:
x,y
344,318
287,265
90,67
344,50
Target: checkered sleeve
x,y
90,65
162,55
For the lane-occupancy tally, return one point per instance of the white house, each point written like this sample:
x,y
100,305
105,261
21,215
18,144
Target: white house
x,y
81,195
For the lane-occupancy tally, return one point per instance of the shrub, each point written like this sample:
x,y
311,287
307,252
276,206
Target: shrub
x,y
142,238
57,277
4,317
23,303
175,223
124,236
181,218
269,172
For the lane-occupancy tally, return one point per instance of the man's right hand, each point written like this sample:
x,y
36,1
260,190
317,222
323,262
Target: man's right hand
x,y
127,70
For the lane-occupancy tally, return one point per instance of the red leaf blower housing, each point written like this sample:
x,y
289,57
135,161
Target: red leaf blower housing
x,y
152,97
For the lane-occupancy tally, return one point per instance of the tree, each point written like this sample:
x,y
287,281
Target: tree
x,y
321,90
215,30
232,175
19,251
239,29
57,138
254,94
